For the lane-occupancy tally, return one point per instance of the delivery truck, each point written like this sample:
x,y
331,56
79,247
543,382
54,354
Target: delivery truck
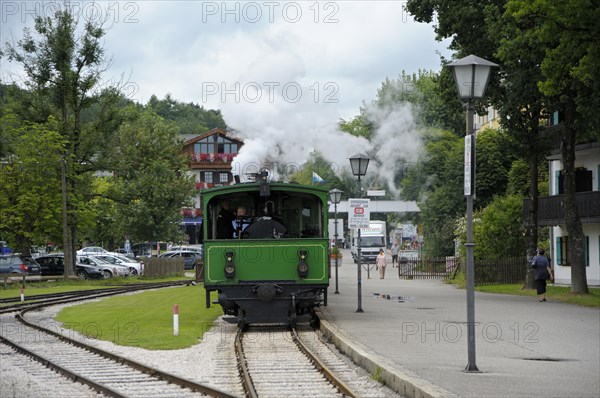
x,y
372,240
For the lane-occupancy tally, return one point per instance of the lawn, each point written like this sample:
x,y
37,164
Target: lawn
x,y
145,319
61,285
553,293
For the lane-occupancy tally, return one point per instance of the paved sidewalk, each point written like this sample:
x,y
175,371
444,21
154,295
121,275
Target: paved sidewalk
x,y
418,337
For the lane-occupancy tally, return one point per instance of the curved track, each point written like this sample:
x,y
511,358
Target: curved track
x,y
276,363
105,372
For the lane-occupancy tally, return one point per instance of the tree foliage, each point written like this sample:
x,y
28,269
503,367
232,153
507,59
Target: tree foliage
x,y
189,117
500,228
30,202
150,184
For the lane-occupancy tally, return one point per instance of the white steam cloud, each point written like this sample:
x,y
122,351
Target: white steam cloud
x,y
283,117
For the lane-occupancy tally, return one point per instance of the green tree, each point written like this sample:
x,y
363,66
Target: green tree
x,y
63,66
567,31
500,226
30,173
189,117
150,183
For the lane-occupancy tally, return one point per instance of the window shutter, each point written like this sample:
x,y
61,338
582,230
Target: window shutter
x,y
586,248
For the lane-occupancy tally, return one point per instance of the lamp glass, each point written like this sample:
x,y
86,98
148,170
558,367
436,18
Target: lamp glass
x,y
359,164
471,80
335,196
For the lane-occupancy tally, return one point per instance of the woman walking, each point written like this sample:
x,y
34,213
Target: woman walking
x,y
381,263
541,272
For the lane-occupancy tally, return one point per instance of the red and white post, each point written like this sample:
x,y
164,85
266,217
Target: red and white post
x,y
176,320
22,294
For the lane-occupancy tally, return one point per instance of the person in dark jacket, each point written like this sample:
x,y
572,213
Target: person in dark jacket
x,y
225,220
541,272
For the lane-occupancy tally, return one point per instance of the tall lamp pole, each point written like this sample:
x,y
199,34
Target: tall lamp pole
x,y
359,163
471,75
335,196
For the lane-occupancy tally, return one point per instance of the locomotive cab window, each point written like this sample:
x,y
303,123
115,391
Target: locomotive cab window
x,y
281,215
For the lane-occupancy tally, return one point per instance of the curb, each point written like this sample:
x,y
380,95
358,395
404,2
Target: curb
x,y
401,382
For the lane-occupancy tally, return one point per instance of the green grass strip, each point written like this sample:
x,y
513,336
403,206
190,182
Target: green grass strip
x,y
553,293
145,319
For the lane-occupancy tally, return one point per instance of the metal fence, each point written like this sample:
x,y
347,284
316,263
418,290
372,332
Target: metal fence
x,y
501,270
428,268
487,271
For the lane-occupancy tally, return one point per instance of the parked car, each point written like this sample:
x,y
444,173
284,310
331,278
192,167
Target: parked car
x,y
91,250
88,272
15,264
107,269
54,264
123,252
135,267
193,248
189,257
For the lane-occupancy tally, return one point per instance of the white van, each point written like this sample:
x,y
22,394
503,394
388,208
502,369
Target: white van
x,y
372,239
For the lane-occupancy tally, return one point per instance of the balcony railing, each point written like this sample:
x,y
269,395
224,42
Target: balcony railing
x,y
551,209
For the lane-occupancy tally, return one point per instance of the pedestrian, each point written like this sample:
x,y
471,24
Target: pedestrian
x,y
381,263
394,252
225,222
541,272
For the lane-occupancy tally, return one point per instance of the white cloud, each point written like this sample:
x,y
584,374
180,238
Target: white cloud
x,y
225,54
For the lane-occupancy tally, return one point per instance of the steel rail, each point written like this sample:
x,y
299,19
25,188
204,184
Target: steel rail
x,y
213,392
60,298
65,372
247,382
339,384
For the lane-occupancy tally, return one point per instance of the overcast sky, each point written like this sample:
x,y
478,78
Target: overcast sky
x,y
266,64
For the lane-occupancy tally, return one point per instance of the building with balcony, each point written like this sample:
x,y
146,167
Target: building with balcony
x,y
211,155
551,211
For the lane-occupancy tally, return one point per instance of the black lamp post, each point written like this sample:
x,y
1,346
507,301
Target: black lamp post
x,y
335,196
359,163
471,75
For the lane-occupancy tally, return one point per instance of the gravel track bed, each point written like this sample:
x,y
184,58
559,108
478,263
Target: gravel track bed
x,y
22,376
353,376
115,376
211,362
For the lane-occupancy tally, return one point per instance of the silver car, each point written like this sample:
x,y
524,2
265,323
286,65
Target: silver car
x,y
135,267
107,269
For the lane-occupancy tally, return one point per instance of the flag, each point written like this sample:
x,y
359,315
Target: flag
x,y
317,178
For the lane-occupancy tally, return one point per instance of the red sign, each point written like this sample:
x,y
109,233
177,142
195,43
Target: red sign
x,y
359,210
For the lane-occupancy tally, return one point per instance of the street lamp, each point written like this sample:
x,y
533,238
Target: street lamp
x,y
359,163
335,196
471,75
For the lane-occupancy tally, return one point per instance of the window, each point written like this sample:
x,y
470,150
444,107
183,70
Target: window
x,y
562,251
583,180
215,144
223,177
208,177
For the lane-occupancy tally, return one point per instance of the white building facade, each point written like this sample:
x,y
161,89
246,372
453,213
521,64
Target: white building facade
x,y
587,177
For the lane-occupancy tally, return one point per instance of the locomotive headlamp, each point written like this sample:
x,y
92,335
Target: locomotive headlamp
x,y
229,266
302,265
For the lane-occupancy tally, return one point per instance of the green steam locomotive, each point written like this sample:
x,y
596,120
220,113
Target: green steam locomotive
x,y
266,250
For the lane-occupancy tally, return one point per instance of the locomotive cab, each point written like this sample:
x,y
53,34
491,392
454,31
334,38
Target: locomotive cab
x,y
266,251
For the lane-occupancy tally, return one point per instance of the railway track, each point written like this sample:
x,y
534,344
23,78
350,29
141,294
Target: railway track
x,y
107,373
276,363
